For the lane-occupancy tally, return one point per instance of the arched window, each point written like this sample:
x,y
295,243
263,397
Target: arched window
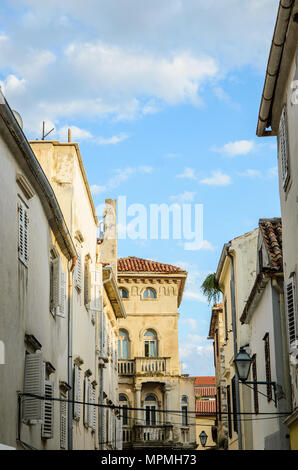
x,y
124,293
123,402
149,293
150,410
184,410
123,345
150,343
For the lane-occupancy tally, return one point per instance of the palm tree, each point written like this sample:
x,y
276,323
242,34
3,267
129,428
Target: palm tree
x,y
210,289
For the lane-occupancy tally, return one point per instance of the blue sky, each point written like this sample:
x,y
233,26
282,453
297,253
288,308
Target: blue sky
x,y
163,97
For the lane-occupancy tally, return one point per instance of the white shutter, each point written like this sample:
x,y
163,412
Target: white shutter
x,y
23,221
78,273
86,399
291,308
33,383
63,423
284,147
94,408
61,310
77,393
57,282
87,284
47,428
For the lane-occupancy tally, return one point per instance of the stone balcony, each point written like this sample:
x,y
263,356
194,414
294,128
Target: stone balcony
x,y
149,436
144,366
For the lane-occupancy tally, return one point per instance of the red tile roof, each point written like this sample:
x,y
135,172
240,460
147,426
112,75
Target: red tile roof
x,y
272,233
207,380
205,407
134,264
205,391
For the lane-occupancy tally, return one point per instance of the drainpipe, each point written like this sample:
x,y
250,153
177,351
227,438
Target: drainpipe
x,y
234,325
70,378
101,365
284,336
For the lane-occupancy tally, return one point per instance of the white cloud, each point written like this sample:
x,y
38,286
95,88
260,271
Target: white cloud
x,y
172,155
191,322
188,173
13,86
272,172
76,133
232,149
187,196
250,173
207,246
217,179
120,175
115,139
146,169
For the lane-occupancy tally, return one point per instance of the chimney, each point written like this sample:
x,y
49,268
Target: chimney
x,y
69,135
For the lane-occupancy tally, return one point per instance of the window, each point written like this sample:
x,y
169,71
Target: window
x,y
229,411
226,320
78,273
291,307
219,403
123,345
260,257
150,343
47,428
235,422
149,293
268,366
124,411
33,383
63,422
77,393
124,293
87,281
216,343
57,287
23,222
284,148
150,410
255,387
184,410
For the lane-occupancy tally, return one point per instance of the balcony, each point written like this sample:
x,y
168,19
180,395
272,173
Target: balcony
x,y
148,436
144,366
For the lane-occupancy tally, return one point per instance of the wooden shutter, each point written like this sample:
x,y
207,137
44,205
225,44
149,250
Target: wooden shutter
x,y
226,321
93,408
255,386
33,383
57,282
63,423
87,283
86,400
61,310
23,221
284,148
47,428
268,365
291,308
78,273
77,393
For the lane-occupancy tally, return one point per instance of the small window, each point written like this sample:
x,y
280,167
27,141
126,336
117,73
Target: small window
x,y
124,293
23,223
150,410
184,410
150,343
123,345
149,293
124,408
284,148
267,365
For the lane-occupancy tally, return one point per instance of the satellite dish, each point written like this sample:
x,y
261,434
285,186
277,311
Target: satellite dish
x,y
18,118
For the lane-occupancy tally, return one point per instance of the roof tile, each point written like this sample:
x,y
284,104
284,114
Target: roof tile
x,y
134,264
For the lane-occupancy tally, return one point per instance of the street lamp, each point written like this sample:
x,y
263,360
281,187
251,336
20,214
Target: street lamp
x,y
242,365
203,438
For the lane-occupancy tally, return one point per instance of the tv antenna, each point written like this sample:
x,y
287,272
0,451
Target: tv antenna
x,y
44,135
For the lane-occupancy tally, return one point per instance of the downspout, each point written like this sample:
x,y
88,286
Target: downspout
x,y
69,370
234,325
101,365
284,336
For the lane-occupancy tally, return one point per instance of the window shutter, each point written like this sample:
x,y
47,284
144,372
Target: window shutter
x,y
93,414
57,282
63,423
291,308
61,310
87,284
268,366
86,399
78,273
284,148
33,383
77,393
48,411
23,232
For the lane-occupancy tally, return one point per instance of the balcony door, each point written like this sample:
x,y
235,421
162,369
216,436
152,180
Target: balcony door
x,y
150,410
150,343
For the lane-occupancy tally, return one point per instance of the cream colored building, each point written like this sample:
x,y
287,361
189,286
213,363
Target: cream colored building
x,y
148,363
278,116
205,394
236,274
37,253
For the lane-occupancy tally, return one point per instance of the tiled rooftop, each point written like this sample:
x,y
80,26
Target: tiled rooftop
x,y
207,380
272,233
134,264
205,407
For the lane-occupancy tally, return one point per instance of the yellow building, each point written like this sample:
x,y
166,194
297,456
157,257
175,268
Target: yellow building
x,y
205,393
149,369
